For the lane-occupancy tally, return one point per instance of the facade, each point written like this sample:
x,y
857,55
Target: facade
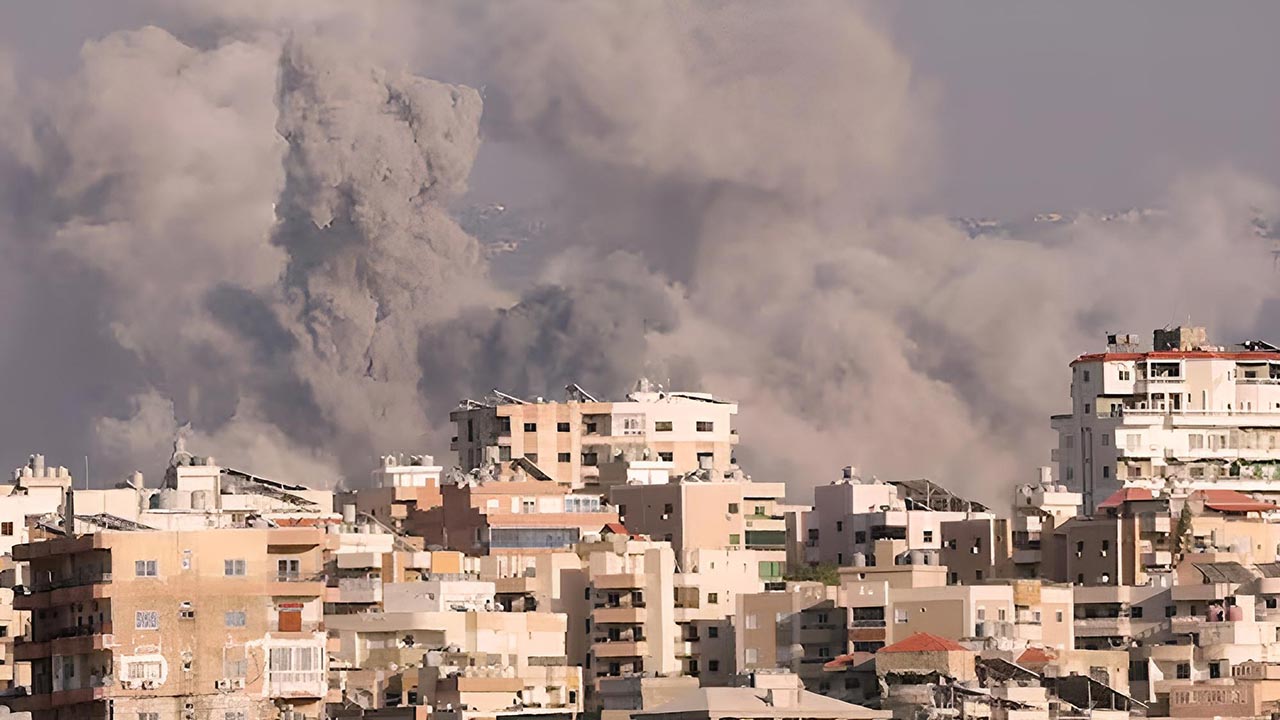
x,y
583,441
182,624
1186,412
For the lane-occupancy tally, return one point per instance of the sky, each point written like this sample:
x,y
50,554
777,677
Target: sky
x,y
248,218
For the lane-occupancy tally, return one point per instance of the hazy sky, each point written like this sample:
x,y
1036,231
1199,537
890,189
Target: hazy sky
x,y
1042,105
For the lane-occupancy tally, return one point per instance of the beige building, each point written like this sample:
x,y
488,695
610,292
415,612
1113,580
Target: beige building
x,y
398,487
798,628
709,509
181,624
582,440
769,695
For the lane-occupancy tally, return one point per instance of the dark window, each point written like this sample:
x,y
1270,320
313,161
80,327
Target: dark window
x,y
504,425
1215,670
531,427
589,459
977,574
713,665
563,457
6,528
839,526
705,426
668,508
666,456
662,426
928,536
1135,612
504,452
562,427
1170,610
471,432
1184,671
591,427
713,632
733,508
1138,670
860,536
531,457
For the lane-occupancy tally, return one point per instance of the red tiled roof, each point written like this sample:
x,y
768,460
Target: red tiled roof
x,y
1232,501
1036,656
1126,495
840,662
924,642
614,529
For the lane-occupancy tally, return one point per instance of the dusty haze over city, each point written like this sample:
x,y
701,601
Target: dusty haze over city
x,y
276,221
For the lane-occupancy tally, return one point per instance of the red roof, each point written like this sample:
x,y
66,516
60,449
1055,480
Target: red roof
x,y
615,529
1036,656
840,662
924,642
1126,495
1232,501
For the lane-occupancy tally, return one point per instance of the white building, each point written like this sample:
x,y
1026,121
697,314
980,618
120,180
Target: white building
x,y
1185,413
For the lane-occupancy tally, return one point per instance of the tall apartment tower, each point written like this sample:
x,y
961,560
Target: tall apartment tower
x,y
584,441
1185,415
131,622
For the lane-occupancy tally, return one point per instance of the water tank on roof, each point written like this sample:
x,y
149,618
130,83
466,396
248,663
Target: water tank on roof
x,y
171,499
1214,614
915,557
349,514
201,500
1235,613
859,559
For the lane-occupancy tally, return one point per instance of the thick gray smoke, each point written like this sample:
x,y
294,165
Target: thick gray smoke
x,y
247,226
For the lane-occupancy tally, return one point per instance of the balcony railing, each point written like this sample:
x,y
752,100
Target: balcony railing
x,y
87,577
872,623
300,577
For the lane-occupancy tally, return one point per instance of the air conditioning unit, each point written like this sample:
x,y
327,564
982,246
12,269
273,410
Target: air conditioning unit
x,y
238,683
149,684
223,684
188,715
131,684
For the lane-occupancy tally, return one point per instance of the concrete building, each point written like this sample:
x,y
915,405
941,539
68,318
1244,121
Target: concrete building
x,y
584,441
707,509
770,695
398,487
798,628
852,514
1185,411
135,621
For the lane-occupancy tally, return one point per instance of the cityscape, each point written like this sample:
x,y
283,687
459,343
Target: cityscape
x,y
588,557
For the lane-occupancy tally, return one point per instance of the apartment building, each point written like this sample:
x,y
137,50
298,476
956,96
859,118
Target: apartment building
x,y
799,627
399,486
583,441
135,622
707,587
1038,509
521,517
852,514
707,509
1187,411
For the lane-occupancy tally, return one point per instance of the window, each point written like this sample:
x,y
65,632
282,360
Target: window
x,y
982,614
531,427
504,426
668,508
141,670
1184,671
859,536
564,457
146,620
977,574
735,539
666,456
562,427
148,716
713,632
928,536
295,664
1106,471
144,568
771,570
1001,614
504,452
186,611
662,426
753,622
751,656
591,428
233,567
1087,408
1132,441
1195,441
733,508
235,618
1106,440
705,426
1215,670
1086,376
1125,375
953,578
288,569
1057,616
900,616
713,665
589,459
531,457
6,528
839,526
713,598
1138,670
233,715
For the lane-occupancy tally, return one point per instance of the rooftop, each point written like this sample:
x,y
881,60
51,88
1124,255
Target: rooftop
x,y
751,702
924,642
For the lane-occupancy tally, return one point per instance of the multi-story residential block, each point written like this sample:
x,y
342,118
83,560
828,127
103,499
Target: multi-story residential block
x,y
219,623
520,517
852,514
585,441
799,627
707,588
398,487
1186,411
708,509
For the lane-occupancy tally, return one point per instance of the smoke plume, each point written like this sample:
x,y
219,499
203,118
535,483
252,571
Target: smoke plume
x,y
245,221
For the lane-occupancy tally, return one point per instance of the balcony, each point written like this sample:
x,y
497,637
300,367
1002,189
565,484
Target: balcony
x,y
1026,557
1186,624
1204,592
621,649
1157,558
1104,627
1154,523
297,585
619,615
355,590
619,581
